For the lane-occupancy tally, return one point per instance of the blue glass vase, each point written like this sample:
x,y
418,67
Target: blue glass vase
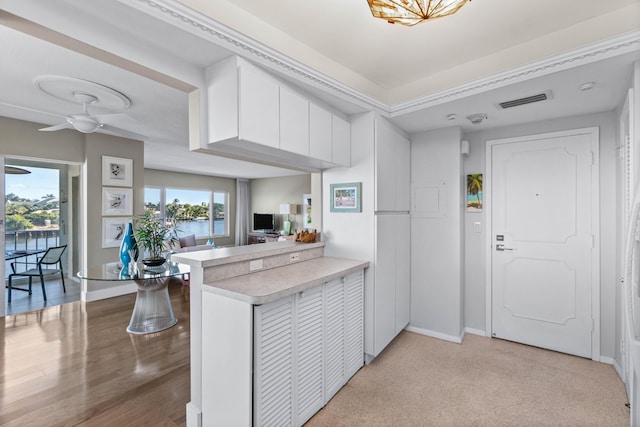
x,y
128,244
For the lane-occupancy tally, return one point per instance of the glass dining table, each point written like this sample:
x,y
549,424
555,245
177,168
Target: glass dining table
x,y
152,311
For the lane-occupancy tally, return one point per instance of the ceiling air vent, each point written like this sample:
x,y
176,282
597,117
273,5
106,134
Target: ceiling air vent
x,y
526,100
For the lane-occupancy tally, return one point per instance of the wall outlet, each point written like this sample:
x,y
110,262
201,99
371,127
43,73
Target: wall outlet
x,y
256,264
294,257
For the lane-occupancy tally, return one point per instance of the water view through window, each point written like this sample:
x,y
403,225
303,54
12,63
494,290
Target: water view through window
x,y
190,210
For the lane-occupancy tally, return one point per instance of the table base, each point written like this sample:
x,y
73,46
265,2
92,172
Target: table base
x,y
152,311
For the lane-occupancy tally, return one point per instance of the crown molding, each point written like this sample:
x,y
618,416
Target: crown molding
x,y
177,14
182,16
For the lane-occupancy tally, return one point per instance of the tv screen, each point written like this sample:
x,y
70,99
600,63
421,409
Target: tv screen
x,y
263,221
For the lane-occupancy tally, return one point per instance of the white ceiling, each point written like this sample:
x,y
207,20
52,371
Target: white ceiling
x,y
415,75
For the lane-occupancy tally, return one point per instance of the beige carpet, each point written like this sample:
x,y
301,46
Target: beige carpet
x,y
422,381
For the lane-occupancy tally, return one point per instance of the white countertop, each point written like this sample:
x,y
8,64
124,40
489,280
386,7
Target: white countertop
x,y
269,285
221,256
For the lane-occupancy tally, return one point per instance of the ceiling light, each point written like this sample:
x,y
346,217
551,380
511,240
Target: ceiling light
x,y
477,118
412,12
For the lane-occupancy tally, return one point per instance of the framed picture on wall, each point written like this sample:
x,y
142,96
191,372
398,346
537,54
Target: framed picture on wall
x,y
346,197
117,171
117,201
474,193
112,231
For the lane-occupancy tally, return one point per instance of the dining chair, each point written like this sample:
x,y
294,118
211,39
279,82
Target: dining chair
x,y
53,257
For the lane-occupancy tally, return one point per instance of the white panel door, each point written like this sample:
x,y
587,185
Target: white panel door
x,y
542,241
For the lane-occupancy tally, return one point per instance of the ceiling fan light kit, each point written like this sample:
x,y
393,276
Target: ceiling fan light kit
x,y
87,94
412,12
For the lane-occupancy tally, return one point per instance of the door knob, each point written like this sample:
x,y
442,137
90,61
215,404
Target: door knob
x,y
500,247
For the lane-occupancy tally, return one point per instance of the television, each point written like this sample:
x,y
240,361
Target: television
x,y
263,222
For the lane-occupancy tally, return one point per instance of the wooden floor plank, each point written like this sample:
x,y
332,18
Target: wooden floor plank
x,y
75,364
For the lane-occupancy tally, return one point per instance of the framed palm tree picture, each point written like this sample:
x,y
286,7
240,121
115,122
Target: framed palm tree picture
x,y
474,192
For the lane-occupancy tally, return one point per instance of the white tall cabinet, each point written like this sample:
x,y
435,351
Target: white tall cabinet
x,y
380,159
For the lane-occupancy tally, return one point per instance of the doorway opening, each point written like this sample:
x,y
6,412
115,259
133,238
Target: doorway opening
x,y
39,201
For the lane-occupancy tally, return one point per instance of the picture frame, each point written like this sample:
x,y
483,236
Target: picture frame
x,y
474,193
112,231
117,171
117,201
346,197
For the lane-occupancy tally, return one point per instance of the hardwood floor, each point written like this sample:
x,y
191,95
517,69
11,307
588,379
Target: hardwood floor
x,y
75,365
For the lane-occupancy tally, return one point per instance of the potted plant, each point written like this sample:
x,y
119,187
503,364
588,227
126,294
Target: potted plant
x,y
155,236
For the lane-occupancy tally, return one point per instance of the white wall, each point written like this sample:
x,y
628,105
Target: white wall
x,y
436,238
476,252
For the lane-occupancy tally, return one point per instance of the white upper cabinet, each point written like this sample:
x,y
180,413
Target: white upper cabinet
x,y
294,122
320,133
392,168
258,121
252,115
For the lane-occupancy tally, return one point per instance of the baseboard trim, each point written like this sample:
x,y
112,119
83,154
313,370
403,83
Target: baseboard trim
x,y
194,415
115,291
607,360
474,331
434,334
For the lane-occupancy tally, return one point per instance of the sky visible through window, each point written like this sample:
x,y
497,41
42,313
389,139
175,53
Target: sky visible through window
x,y
35,185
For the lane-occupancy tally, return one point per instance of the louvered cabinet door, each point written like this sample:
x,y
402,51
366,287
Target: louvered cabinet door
x,y
309,361
334,337
354,321
273,363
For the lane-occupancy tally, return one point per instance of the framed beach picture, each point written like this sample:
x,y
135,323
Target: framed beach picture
x,y
117,201
117,171
346,197
112,231
474,193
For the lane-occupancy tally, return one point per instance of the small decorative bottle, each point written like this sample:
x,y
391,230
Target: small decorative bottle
x,y
128,243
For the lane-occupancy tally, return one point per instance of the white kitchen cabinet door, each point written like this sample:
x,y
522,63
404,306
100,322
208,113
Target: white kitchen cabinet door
x,y
320,133
273,363
294,122
334,337
309,394
259,107
392,168
403,271
341,135
385,282
353,323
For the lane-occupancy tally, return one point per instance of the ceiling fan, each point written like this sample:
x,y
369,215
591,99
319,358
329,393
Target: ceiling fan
x,y
87,123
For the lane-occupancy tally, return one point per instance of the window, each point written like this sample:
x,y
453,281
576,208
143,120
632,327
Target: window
x,y
190,210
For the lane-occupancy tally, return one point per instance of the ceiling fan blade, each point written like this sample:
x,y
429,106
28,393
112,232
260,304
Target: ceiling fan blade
x,y
123,133
65,125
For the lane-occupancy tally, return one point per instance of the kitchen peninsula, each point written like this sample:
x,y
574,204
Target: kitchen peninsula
x,y
276,331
